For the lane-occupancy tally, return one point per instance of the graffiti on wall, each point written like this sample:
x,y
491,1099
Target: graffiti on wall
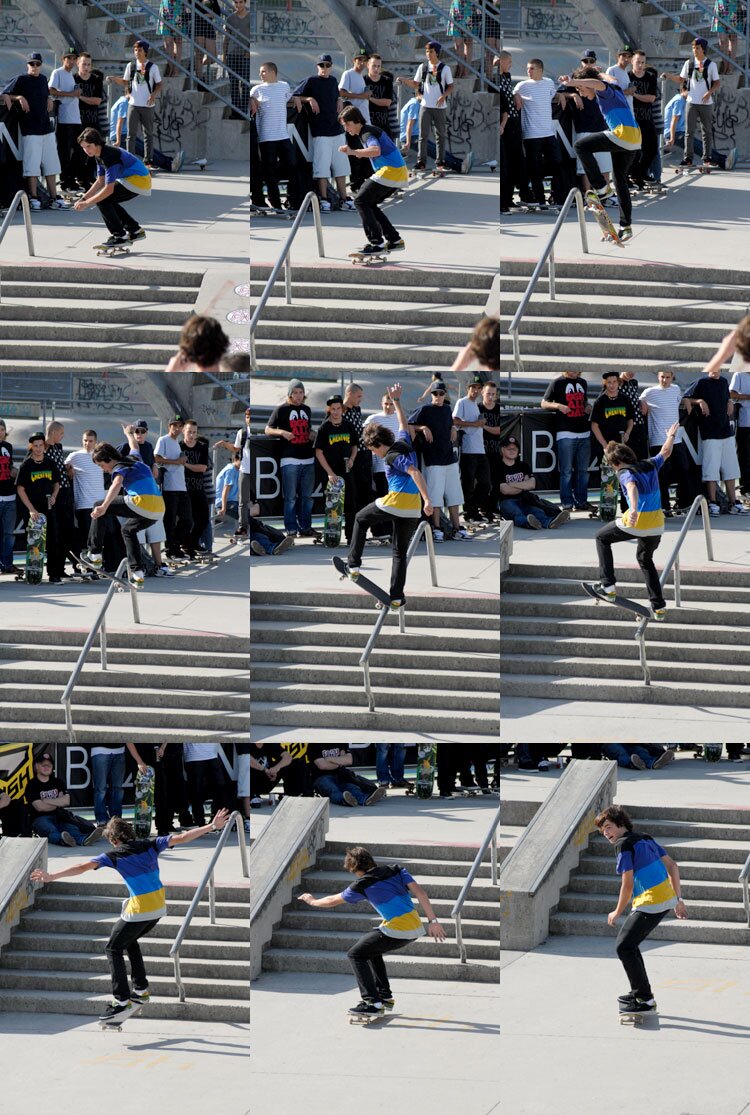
x,y
13,29
732,119
102,394
177,115
469,115
551,24
291,28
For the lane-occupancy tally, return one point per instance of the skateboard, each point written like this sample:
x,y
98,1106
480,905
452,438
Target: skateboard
x,y
609,232
426,766
608,493
36,539
144,803
367,259
709,752
267,211
437,172
112,250
694,169
636,1018
333,512
116,1023
362,582
366,1019
619,602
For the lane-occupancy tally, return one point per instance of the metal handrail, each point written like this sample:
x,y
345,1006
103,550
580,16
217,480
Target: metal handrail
x,y
310,199
699,504
745,880
490,841
22,200
100,623
548,253
237,820
364,662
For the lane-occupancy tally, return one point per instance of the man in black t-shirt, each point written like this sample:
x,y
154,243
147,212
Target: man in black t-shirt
x,y
568,397
644,90
710,397
518,499
612,415
434,422
37,485
334,778
145,448
195,451
48,802
335,451
380,87
321,94
30,92
292,424
491,412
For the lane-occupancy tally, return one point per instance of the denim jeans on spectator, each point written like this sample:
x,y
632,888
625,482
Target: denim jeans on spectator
x,y
47,825
297,483
389,762
621,754
333,784
573,457
7,526
108,773
517,508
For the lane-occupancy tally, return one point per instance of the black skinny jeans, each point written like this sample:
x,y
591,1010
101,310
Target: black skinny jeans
x,y
610,534
403,532
133,523
178,521
635,930
124,939
277,161
374,221
541,155
366,958
117,219
622,160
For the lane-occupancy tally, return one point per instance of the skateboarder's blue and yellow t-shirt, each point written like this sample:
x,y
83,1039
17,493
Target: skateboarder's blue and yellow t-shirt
x,y
138,864
117,165
140,490
652,887
403,499
386,888
650,515
622,128
390,168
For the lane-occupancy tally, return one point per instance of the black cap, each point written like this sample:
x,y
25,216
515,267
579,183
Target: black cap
x,y
71,52
361,53
476,379
511,440
36,437
324,58
437,386
141,424
176,420
35,56
44,755
334,399
626,49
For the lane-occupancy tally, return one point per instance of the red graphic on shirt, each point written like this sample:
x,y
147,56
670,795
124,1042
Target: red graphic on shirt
x,y
5,466
575,398
299,426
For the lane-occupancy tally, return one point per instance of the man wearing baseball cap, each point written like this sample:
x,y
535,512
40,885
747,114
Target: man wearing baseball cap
x,y
48,800
433,83
31,93
321,94
63,87
518,499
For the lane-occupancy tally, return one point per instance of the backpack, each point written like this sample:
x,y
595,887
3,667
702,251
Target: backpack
x,y
424,70
693,69
130,74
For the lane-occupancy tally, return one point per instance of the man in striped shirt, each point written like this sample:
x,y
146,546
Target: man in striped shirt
x,y
268,102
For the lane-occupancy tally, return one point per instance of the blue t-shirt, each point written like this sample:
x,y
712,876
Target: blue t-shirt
x,y
650,515
115,164
403,499
119,111
621,125
138,864
652,888
386,888
676,107
229,475
140,490
390,168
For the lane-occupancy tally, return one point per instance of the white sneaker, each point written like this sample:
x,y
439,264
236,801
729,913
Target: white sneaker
x,y
325,206
60,203
714,509
437,535
137,578
165,571
35,203
738,509
349,204
461,533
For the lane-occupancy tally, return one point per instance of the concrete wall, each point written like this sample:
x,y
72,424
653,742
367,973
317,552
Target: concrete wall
x,y
19,856
288,845
539,867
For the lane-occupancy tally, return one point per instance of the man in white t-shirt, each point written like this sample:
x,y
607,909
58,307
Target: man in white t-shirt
x,y
88,489
63,87
739,391
620,72
433,82
178,516
534,98
268,103
475,470
702,77
142,80
661,405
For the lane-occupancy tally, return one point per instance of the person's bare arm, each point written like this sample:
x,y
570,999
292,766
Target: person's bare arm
x,y
626,893
40,876
435,929
218,822
322,903
674,876
628,431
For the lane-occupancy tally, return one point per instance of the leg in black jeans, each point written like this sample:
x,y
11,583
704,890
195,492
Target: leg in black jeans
x,y
743,456
117,219
133,523
366,958
374,221
635,930
403,532
605,539
276,158
124,938
622,160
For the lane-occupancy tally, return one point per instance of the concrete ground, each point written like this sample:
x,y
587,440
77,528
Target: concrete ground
x,y
558,1002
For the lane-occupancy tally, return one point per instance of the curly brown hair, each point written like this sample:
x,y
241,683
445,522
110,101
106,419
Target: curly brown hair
x,y
358,859
617,815
203,340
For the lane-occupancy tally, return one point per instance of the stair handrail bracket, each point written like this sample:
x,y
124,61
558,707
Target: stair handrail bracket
x,y
99,626
284,260
237,821
548,253
539,865
489,842
745,880
22,200
425,529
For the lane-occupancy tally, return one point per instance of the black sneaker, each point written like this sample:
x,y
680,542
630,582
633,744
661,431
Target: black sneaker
x,y
373,249
366,1010
628,998
395,245
117,1012
686,162
140,996
139,234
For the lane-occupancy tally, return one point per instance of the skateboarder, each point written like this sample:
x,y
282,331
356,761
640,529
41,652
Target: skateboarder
x,y
643,521
401,505
389,890
133,496
652,880
389,174
137,861
120,177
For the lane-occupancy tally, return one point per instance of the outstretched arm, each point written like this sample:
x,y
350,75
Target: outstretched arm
x,y
40,876
322,903
218,822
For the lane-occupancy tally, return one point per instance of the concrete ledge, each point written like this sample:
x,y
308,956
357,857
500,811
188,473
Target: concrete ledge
x,y
19,856
287,846
539,866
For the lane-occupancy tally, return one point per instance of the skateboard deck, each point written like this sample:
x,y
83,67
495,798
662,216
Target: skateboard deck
x,y
618,602
36,539
267,211
112,250
608,493
333,513
603,219
366,1019
636,1018
367,259
363,582
426,767
694,169
144,803
117,1023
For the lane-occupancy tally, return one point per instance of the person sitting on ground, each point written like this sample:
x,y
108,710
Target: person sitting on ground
x,y
265,539
334,778
632,755
48,801
518,500
228,489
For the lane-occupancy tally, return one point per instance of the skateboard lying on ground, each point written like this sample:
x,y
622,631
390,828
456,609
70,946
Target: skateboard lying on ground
x,y
363,582
426,766
333,512
367,258
618,602
36,538
636,1018
603,219
144,803
116,1023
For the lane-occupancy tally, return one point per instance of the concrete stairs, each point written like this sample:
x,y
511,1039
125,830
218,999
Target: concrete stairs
x,y
92,318
141,696
55,961
710,847
559,645
305,673
660,313
310,940
408,319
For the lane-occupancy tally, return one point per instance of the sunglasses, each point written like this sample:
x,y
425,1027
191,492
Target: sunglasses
x,y
438,392
325,65
33,63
